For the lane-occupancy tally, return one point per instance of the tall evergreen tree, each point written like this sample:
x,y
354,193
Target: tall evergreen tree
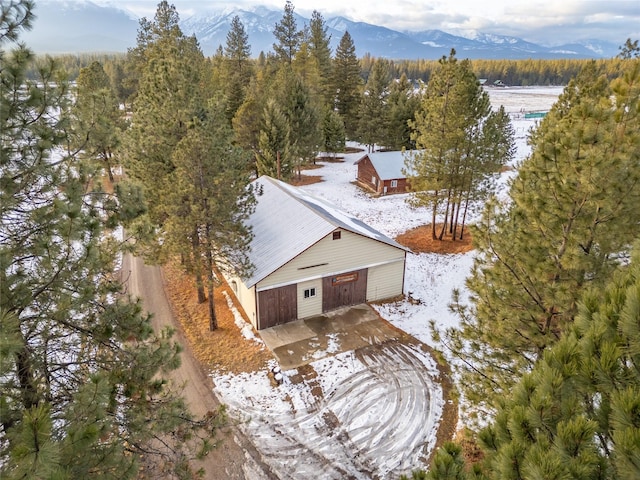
x,y
164,25
115,69
81,371
167,100
306,67
572,216
246,121
98,119
302,114
575,414
346,84
238,68
273,156
319,41
448,166
489,147
372,115
287,35
210,199
404,102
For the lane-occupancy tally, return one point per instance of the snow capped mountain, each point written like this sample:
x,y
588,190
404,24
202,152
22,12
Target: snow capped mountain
x,y
593,48
77,26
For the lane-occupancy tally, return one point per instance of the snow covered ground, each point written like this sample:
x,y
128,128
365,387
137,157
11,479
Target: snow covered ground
x,y
285,420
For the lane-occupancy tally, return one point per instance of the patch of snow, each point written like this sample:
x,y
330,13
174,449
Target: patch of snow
x,y
246,329
432,44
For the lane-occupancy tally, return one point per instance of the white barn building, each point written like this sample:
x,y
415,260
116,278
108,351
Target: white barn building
x,y
310,257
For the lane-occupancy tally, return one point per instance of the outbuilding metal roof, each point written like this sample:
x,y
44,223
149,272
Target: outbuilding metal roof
x,y
389,165
287,221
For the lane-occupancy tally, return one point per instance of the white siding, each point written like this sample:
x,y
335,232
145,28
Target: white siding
x,y
308,307
328,256
385,281
246,297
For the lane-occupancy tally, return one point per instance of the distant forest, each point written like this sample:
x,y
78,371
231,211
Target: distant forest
x,y
511,72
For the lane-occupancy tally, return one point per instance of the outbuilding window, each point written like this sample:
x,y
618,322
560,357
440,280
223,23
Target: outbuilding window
x,y
310,292
394,183
336,235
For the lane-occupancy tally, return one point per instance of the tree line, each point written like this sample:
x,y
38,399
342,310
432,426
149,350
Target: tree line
x,y
523,72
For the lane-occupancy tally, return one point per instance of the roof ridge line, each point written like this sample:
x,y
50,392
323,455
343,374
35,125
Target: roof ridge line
x,y
280,183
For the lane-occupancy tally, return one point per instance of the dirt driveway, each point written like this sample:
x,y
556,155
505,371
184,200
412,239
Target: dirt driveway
x,y
235,457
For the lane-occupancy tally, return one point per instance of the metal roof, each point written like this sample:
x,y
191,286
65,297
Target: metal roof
x,y
287,221
389,165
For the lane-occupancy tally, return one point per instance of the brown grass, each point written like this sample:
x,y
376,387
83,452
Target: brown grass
x,y
305,180
420,240
353,150
330,159
224,349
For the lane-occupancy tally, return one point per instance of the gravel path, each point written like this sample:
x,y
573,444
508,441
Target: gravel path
x,y
235,458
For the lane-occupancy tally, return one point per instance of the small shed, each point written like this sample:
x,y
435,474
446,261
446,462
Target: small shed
x,y
382,172
309,257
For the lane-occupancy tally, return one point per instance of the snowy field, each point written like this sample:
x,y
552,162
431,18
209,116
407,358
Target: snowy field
x,y
524,99
284,421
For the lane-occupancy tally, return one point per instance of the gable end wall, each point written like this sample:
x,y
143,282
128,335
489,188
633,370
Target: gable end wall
x,y
330,257
366,172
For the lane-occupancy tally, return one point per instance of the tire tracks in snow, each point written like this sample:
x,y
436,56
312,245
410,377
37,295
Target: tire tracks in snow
x,y
377,422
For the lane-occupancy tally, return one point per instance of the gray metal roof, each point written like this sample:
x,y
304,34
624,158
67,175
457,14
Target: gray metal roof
x,y
389,165
287,221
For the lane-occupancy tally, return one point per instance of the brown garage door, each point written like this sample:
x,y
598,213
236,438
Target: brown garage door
x,y
277,306
344,289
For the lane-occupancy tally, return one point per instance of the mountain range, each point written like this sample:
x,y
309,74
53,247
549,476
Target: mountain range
x,y
66,26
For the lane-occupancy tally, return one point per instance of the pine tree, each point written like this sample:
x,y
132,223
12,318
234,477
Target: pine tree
x,y
98,119
346,84
449,166
238,69
81,370
448,464
246,121
115,70
273,157
302,113
490,146
168,98
306,68
572,216
403,103
333,132
319,42
575,414
210,199
372,115
287,35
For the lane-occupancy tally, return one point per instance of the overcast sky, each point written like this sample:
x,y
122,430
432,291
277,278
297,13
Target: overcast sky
x,y
542,21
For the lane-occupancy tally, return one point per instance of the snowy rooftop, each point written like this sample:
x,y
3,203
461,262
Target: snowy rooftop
x,y
287,221
389,165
